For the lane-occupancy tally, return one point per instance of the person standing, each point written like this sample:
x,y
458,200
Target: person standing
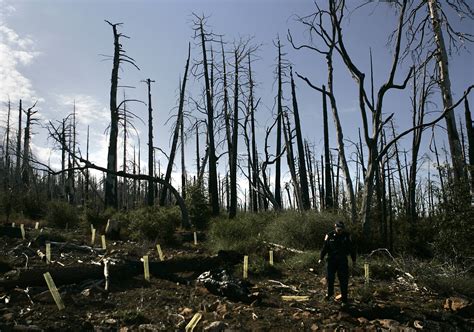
x,y
337,246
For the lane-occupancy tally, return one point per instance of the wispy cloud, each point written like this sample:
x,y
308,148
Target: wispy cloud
x,y
89,111
15,52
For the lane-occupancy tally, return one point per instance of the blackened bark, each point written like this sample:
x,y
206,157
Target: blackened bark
x,y
306,203
212,186
470,141
179,124
151,189
233,155
278,133
328,198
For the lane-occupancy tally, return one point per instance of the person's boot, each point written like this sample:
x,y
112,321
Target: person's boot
x,y
344,302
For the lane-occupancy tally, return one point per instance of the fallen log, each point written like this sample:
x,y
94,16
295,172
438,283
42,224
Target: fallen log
x,y
279,246
122,270
14,232
76,247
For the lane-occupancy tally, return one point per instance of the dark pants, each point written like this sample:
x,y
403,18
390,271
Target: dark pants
x,y
339,265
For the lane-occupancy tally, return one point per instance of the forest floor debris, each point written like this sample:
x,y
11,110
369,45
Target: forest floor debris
x,y
210,288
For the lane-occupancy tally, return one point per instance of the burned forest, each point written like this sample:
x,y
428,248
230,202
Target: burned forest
x,y
220,166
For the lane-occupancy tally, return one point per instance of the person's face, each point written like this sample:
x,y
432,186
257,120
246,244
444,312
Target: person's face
x,y
338,230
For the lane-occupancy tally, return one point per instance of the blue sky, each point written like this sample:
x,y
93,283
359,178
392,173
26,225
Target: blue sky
x,y
49,50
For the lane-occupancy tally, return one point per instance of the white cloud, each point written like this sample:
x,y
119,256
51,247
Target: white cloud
x,y
89,111
15,51
6,9
46,156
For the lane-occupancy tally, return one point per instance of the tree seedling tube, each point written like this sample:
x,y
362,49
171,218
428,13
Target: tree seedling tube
x,y
48,253
271,257
23,234
160,252
104,245
37,225
13,224
195,238
246,267
366,272
54,291
193,322
93,236
146,268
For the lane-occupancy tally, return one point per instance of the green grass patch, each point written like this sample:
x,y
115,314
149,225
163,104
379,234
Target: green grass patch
x,y
301,230
244,234
306,260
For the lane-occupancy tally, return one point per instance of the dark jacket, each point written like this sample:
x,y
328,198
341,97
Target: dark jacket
x,y
338,246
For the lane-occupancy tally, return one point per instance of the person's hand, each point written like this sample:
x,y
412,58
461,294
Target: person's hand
x,y
319,261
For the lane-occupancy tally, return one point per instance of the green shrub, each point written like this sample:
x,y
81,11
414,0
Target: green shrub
x,y
198,206
98,217
34,206
382,271
306,260
243,233
61,214
153,223
303,231
455,226
450,285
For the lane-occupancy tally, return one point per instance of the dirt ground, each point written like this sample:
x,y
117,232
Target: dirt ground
x,y
133,304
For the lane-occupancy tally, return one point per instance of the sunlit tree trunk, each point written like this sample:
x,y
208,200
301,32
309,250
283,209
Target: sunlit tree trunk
x,y
445,86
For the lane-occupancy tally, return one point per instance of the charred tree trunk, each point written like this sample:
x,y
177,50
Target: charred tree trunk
x,y
183,164
418,115
86,182
233,155
63,158
291,160
179,124
111,180
470,141
400,174
255,171
329,200
303,188
25,176
151,189
124,161
118,58
278,133
7,151
311,175
212,186
18,147
198,159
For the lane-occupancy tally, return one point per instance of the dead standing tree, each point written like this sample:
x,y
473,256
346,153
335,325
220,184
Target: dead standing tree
x,y
303,177
316,26
151,187
470,140
25,168
178,128
336,11
118,58
7,149
432,35
203,37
